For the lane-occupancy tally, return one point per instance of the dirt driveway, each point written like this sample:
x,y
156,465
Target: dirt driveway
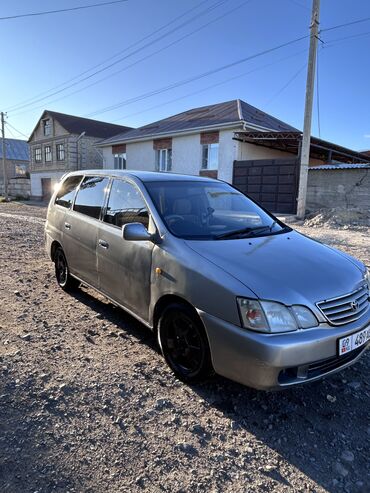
x,y
87,404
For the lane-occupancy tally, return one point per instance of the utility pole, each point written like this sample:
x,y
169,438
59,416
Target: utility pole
x,y
306,138
5,178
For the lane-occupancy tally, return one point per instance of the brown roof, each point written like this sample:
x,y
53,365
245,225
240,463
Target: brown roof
x,y
221,114
93,128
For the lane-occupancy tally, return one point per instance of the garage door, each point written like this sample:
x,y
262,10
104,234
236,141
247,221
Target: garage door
x,y
271,182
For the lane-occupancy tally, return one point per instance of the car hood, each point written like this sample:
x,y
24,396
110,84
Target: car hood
x,y
287,267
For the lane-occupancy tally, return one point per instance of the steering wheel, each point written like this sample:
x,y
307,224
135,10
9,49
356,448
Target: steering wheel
x,y
174,217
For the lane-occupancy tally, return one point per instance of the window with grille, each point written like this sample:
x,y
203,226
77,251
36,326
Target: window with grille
x,y
60,152
38,155
47,126
47,154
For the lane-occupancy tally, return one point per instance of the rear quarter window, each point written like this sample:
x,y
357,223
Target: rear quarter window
x,y
90,196
67,191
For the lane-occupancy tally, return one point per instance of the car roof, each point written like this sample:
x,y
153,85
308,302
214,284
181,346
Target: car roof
x,y
144,176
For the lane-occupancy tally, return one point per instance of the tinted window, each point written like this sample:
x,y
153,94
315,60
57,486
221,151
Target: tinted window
x,y
125,205
67,191
208,210
90,197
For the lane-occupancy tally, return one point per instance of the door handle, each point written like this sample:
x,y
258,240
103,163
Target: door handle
x,y
103,244
67,225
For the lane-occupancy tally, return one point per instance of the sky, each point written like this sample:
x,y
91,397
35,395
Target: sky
x,y
184,39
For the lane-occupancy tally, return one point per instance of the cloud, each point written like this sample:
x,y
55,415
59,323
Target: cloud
x,y
367,136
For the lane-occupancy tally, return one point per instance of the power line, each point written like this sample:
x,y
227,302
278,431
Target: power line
x,y
358,21
331,42
222,16
153,33
21,133
286,84
197,77
225,81
46,12
203,12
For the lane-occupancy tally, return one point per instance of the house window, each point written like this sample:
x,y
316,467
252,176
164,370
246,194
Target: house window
x,y
47,154
210,156
164,159
120,161
38,155
60,152
47,126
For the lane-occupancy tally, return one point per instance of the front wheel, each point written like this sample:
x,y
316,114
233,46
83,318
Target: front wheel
x,y
64,278
184,343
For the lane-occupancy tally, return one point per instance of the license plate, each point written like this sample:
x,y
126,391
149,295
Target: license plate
x,y
354,341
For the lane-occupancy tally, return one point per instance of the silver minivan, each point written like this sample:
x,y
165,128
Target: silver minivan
x,y
226,286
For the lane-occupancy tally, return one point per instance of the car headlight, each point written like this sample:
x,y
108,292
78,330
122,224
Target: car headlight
x,y
272,317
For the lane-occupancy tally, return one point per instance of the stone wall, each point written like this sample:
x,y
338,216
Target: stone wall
x,y
19,188
338,188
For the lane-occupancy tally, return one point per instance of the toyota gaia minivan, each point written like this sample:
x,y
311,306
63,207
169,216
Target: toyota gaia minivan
x,y
225,285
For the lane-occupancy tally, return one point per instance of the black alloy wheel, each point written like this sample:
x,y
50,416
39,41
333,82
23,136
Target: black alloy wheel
x,y
64,278
184,343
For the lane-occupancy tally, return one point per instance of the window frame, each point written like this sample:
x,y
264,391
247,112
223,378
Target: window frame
x,y
208,147
46,123
45,153
132,183
168,161
36,153
81,176
119,157
58,153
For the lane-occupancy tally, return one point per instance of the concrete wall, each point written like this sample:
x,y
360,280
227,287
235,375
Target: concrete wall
x,y
36,187
333,188
19,187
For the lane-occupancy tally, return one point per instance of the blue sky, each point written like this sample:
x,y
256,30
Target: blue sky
x,y
43,52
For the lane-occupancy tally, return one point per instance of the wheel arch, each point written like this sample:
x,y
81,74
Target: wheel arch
x,y
166,300
55,244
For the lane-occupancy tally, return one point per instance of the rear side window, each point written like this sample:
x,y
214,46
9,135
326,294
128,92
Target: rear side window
x,y
90,196
125,205
67,191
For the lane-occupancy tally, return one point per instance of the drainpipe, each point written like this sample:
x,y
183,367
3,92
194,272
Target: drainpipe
x,y
78,148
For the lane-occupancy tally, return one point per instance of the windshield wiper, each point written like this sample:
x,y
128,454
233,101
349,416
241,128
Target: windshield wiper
x,y
245,231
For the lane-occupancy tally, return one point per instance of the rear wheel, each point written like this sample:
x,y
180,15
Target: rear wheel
x,y
184,344
64,278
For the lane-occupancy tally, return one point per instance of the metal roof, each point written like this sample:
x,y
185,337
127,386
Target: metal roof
x,y
16,150
230,113
77,125
291,142
339,166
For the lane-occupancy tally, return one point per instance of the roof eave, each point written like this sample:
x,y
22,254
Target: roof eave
x,y
187,131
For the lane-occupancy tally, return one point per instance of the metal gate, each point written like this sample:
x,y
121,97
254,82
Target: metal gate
x,y
271,182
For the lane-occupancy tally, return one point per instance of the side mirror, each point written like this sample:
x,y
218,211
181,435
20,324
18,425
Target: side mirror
x,y
136,232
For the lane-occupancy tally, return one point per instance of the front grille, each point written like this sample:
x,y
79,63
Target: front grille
x,y
346,308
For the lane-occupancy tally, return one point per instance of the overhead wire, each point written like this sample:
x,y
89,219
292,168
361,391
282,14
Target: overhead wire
x,y
149,44
18,131
47,12
207,88
153,33
197,77
290,80
358,21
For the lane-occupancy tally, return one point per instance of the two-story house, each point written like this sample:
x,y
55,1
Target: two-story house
x,y
60,143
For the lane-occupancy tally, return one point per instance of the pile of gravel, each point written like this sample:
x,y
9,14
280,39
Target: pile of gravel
x,y
339,217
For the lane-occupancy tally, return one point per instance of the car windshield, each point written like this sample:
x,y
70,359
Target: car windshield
x,y
209,211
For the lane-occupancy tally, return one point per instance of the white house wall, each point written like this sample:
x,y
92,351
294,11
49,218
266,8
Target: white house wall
x,y
36,187
186,154
228,152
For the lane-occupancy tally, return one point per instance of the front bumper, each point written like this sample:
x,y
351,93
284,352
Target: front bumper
x,y
276,361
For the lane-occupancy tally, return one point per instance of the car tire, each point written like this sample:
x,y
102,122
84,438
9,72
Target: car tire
x,y
62,274
184,344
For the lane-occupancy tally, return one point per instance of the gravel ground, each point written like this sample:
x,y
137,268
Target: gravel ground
x,y
88,405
